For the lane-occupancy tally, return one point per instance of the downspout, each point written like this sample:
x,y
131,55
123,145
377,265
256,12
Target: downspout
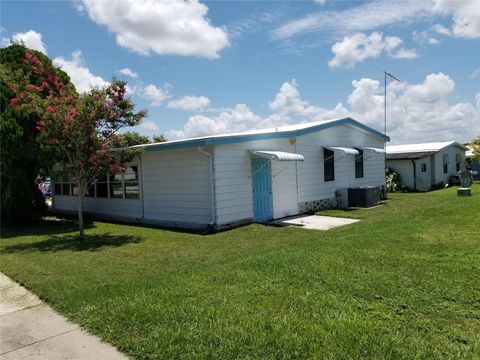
x,y
212,185
296,177
414,176
141,189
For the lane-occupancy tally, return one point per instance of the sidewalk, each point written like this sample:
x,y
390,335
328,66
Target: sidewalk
x,y
30,329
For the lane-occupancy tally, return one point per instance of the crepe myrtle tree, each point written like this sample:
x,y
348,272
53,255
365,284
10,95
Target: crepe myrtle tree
x,y
82,127
475,145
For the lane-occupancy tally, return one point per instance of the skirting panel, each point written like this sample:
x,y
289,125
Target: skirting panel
x,y
315,205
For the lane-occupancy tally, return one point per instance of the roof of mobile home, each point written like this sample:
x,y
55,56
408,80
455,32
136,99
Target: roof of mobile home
x,y
424,147
417,151
272,133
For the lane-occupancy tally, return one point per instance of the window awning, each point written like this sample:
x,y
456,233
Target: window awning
x,y
343,150
279,155
375,150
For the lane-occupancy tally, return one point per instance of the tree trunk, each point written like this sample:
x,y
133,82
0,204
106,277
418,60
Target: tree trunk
x,y
81,194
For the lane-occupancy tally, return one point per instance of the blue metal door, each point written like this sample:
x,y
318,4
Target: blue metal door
x,y
262,189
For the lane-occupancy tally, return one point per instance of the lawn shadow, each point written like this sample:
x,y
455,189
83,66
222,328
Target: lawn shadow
x,y
72,242
44,227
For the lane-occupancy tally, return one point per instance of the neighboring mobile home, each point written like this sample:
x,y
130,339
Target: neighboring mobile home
x,y
225,180
423,166
472,163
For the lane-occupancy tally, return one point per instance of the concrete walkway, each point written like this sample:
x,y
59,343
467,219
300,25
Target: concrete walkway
x,y
314,222
30,329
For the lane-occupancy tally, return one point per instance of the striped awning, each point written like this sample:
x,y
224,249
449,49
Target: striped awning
x,y
343,150
278,155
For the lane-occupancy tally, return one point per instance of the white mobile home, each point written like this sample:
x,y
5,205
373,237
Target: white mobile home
x,y
225,180
423,166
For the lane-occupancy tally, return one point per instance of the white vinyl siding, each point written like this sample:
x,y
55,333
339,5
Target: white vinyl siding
x,y
176,187
311,182
405,169
122,209
452,152
233,180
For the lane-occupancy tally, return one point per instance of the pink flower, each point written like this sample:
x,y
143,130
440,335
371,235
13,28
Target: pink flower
x,y
14,101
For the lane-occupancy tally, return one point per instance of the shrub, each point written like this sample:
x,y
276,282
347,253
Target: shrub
x,y
392,179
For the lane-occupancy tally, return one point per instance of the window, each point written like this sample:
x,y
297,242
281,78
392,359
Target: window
x,y
116,186
119,186
458,161
130,178
328,165
445,163
423,167
65,185
90,190
359,164
102,187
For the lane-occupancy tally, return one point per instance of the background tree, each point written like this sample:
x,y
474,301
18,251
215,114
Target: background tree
x,y
130,138
475,145
82,128
159,138
23,156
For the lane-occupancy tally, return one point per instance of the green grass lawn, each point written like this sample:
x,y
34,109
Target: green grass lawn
x,y
402,283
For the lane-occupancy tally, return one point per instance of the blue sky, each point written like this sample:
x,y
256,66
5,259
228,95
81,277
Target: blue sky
x,y
209,67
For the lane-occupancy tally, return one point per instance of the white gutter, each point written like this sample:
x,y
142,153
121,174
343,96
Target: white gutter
x,y
212,184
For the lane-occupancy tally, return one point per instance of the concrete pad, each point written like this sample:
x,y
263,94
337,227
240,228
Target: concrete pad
x,y
30,329
314,222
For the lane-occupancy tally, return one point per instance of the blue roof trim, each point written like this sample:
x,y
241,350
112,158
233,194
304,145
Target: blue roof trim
x,y
273,135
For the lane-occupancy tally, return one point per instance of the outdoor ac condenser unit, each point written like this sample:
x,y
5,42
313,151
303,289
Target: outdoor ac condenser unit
x,y
342,198
365,196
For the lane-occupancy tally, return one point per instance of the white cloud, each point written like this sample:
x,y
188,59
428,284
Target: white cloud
x,y
425,37
475,73
32,40
465,15
190,103
240,118
429,36
156,95
419,112
129,73
287,108
148,126
79,73
358,47
415,112
363,17
404,54
131,89
440,29
164,27
288,104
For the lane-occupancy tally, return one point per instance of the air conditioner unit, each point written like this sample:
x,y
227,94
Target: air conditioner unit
x,y
365,196
342,198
